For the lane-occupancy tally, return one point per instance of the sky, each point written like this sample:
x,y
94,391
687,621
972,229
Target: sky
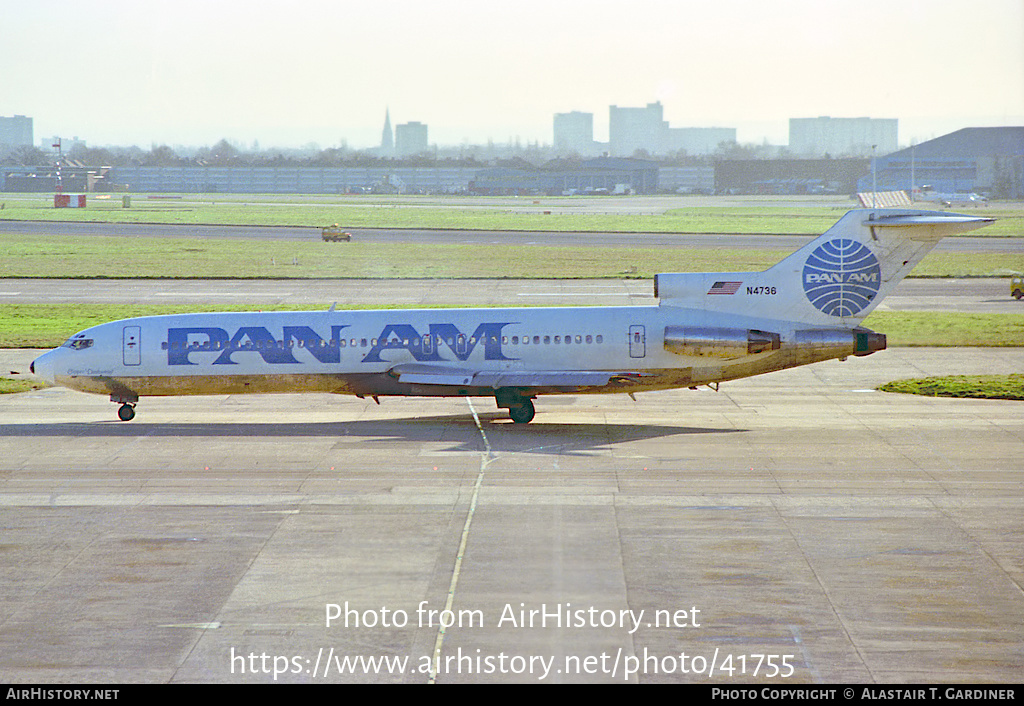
x,y
287,74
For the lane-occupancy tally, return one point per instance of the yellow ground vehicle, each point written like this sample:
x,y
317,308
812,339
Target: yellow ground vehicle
x,y
1017,286
334,234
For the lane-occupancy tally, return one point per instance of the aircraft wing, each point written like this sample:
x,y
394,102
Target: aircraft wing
x,y
426,374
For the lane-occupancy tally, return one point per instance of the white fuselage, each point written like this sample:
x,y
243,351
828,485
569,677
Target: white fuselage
x,y
353,351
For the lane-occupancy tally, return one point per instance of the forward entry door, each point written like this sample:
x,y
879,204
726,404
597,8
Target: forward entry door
x,y
132,345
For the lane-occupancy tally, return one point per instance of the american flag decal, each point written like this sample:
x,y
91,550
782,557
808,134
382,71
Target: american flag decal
x,y
724,287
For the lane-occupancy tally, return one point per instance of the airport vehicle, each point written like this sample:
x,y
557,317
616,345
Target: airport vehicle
x,y
1017,286
334,234
705,329
927,193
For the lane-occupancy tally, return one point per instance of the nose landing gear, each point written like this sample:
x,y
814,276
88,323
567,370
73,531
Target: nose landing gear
x,y
126,412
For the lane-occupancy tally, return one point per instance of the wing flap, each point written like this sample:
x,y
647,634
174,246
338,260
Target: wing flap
x,y
542,378
424,374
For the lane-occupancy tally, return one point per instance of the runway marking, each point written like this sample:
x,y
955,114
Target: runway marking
x,y
10,294
575,294
484,460
222,294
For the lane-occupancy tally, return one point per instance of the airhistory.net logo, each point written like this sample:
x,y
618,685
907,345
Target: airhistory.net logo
x,y
841,277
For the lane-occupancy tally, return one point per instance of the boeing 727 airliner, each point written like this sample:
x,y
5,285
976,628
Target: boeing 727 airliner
x,y
705,329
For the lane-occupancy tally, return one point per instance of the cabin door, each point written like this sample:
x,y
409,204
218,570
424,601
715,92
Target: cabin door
x,y
637,342
132,345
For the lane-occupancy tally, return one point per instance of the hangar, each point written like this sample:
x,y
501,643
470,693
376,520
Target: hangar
x,y
600,175
985,160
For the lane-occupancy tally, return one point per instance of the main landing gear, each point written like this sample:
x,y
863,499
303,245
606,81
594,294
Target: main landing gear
x,y
522,413
520,407
126,412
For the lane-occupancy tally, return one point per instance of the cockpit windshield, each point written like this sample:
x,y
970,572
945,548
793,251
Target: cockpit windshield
x,y
78,343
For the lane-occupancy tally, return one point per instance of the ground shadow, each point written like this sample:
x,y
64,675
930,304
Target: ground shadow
x,y
458,429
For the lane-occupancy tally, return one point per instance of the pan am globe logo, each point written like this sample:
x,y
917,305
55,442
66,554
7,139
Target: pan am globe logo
x,y
841,277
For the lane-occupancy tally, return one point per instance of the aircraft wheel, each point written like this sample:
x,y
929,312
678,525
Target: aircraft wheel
x,y
522,413
126,413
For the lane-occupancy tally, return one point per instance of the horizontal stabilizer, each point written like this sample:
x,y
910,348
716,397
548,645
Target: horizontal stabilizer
x,y
931,225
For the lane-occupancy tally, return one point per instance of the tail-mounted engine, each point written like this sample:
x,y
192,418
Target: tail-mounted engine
x,y
721,343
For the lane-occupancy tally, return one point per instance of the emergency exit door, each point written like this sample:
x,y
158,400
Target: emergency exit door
x,y
637,342
132,345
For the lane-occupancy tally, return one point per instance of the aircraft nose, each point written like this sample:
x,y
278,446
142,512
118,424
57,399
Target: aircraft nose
x,y
42,367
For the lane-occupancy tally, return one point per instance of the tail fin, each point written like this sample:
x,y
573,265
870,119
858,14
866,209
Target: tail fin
x,y
835,280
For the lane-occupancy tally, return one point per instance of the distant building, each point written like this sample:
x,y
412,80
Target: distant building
x,y
633,129
43,178
16,131
66,143
593,176
574,134
410,139
985,160
842,137
788,176
291,180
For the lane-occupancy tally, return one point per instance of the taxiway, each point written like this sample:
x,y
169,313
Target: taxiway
x,y
822,530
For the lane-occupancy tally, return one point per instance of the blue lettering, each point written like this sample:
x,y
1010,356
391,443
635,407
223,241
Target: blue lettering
x,y
324,351
400,337
183,341
489,334
421,348
261,342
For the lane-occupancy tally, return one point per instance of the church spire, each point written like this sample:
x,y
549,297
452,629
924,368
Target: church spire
x,y
387,139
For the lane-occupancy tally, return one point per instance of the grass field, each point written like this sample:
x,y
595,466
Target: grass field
x,y
10,386
580,214
110,257
991,387
96,256
116,257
